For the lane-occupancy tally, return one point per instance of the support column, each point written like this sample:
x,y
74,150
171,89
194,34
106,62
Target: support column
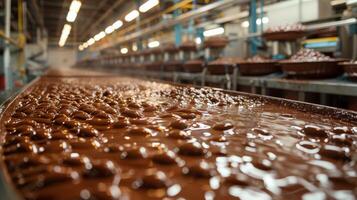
x,y
178,27
253,25
7,68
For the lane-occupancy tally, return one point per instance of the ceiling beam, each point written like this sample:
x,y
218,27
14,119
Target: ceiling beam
x,y
67,5
102,17
38,15
87,25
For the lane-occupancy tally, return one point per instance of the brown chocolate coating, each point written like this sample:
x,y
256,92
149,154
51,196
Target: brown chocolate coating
x,y
120,138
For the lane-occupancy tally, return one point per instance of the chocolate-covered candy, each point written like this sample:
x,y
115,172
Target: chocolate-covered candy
x,y
139,131
121,123
60,135
237,179
56,146
61,119
134,153
99,169
130,113
52,177
81,115
315,131
72,161
199,170
341,130
334,152
179,124
86,131
21,147
153,180
191,149
165,158
178,134
222,126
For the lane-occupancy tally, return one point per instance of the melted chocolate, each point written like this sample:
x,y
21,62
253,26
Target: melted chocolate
x,y
113,138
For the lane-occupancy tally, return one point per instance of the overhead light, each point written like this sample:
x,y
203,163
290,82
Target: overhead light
x,y
109,29
148,5
85,45
132,15
153,44
81,48
91,41
124,50
212,32
64,35
71,16
337,2
73,10
198,40
245,24
75,6
265,20
135,47
99,36
117,24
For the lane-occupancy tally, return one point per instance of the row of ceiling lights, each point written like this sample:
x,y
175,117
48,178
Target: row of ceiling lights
x,y
116,25
155,43
71,17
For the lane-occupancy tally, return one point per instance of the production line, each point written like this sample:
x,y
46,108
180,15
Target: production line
x,y
171,99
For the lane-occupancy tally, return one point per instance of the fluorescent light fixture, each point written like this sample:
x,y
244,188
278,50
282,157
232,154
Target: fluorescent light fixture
x,y
71,16
212,32
75,6
124,50
337,2
99,36
109,30
198,40
73,10
148,5
85,45
91,41
64,35
245,24
132,15
153,44
81,48
117,24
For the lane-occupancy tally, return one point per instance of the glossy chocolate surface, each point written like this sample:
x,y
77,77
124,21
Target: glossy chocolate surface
x,y
121,138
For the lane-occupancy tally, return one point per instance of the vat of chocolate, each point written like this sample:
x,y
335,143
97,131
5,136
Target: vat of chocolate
x,y
135,139
223,65
257,65
311,64
351,69
171,62
285,33
216,42
188,46
194,66
172,66
153,66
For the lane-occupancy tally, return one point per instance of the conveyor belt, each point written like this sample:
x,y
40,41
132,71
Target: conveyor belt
x,y
104,136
